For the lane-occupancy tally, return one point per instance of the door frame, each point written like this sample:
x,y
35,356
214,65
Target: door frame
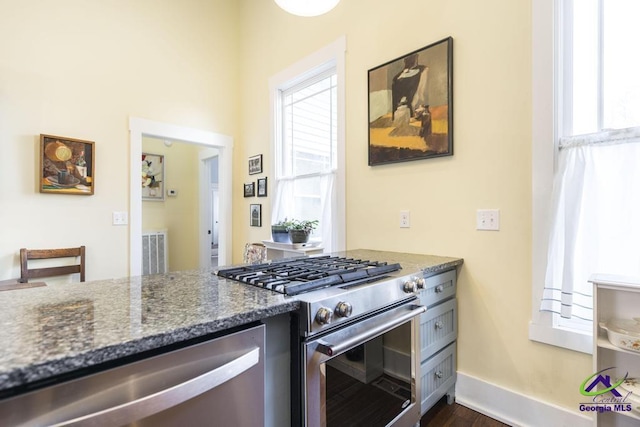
x,y
224,143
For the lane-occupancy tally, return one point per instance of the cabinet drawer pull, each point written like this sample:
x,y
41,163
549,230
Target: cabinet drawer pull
x,y
439,289
439,324
439,374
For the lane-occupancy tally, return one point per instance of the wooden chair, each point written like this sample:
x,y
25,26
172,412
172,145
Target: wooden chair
x,y
34,273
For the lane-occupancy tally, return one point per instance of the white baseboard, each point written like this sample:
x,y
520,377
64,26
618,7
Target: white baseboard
x,y
514,408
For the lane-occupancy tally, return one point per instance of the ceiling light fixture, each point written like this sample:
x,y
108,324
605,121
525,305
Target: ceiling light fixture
x,y
307,7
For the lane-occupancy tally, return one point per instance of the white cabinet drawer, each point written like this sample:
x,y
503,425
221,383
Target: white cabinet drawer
x,y
438,376
438,288
438,328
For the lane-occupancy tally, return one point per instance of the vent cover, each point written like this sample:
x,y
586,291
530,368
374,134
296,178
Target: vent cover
x,y
154,252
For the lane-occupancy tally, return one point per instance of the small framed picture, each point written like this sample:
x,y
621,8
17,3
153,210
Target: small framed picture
x,y
255,215
262,187
249,189
152,177
255,164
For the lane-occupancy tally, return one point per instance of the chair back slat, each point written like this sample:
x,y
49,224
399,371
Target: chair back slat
x,y
27,273
37,273
53,253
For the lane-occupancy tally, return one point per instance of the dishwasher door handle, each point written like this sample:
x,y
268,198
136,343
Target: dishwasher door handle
x,y
157,402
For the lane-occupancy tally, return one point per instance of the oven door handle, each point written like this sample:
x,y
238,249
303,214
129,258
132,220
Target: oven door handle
x,y
370,328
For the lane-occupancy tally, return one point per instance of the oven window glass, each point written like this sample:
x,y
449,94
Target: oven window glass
x,y
370,384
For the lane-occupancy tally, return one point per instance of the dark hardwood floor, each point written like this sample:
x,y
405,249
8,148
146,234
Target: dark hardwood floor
x,y
444,415
353,403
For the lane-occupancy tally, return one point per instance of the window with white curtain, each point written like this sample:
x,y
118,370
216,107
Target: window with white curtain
x,y
594,225
309,148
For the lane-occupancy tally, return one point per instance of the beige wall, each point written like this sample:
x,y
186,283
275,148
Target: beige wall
x,y
80,69
179,214
491,167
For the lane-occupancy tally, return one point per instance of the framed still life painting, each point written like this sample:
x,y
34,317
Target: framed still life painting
x,y
410,106
67,165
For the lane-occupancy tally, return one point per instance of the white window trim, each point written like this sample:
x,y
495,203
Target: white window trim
x,y
545,123
332,55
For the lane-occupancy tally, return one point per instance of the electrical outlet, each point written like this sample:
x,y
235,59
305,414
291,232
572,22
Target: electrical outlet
x,y
405,219
120,218
488,219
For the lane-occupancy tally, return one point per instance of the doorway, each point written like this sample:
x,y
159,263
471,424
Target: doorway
x,y
214,207
222,145
210,207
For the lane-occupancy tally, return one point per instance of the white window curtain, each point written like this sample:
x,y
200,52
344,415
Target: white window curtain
x,y
595,222
285,196
306,153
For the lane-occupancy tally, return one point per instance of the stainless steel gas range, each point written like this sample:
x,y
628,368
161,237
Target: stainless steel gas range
x,y
355,340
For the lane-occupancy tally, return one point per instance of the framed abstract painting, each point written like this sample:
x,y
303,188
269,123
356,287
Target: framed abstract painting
x,y
410,106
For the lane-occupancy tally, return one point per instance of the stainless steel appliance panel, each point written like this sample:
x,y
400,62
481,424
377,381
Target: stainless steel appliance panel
x,y
318,354
217,382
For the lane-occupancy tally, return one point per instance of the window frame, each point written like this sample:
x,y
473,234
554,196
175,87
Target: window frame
x,y
282,170
330,56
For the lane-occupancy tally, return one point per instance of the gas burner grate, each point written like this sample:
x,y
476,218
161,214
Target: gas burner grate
x,y
295,276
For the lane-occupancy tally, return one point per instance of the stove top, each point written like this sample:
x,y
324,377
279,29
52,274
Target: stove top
x,y
300,275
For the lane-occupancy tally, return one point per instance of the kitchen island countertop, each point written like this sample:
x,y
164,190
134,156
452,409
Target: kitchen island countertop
x,y
47,333
50,331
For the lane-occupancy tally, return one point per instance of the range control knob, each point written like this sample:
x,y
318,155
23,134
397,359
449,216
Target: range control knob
x,y
343,309
324,315
410,286
420,282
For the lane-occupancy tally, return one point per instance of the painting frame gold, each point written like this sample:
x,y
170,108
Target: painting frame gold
x,y
410,100
67,165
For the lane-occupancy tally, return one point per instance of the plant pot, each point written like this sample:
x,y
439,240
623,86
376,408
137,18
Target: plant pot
x,y
299,236
280,234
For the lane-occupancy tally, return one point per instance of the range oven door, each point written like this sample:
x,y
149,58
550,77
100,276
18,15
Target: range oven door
x,y
365,373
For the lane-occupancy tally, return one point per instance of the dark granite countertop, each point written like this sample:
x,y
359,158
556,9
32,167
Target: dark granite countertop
x,y
54,330
60,328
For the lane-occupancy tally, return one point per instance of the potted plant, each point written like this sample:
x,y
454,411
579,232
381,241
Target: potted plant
x,y
299,230
279,232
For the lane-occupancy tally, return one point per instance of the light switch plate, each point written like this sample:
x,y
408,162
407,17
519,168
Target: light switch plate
x,y
120,218
488,219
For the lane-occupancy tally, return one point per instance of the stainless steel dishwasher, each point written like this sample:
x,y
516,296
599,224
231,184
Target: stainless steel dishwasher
x,y
214,383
